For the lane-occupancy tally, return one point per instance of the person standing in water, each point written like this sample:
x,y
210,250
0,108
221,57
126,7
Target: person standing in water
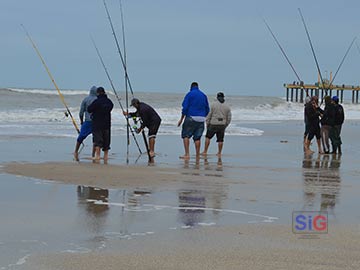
x,y
217,121
335,135
86,126
101,116
195,108
312,114
327,123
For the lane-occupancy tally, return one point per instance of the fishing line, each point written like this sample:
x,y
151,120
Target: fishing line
x,y
281,49
113,88
118,48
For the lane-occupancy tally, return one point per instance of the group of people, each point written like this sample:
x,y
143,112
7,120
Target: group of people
x,y
95,118
324,124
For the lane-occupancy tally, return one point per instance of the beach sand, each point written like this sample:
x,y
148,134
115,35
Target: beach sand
x,y
254,247
266,175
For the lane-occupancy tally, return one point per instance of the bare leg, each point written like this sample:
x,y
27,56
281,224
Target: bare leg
x,y
106,156
76,152
186,142
97,154
319,146
197,148
93,151
220,147
152,146
307,146
207,143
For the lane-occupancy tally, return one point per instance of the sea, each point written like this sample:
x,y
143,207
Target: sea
x,y
40,112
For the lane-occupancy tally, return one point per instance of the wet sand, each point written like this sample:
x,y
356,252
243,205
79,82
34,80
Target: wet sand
x,y
254,247
261,174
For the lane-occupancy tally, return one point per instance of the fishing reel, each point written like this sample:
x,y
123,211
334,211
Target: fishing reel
x,y
136,120
66,114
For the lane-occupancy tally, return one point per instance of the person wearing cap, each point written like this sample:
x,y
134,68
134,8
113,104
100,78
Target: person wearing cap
x,y
335,134
195,108
217,121
101,118
86,126
149,118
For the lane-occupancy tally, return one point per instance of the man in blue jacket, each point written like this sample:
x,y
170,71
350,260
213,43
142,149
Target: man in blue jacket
x,y
195,108
101,119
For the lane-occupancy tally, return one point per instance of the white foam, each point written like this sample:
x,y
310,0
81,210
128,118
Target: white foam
x,y
152,207
50,91
21,261
206,224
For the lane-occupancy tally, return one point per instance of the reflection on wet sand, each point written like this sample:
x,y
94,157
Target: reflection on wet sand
x,y
190,203
95,214
321,181
207,166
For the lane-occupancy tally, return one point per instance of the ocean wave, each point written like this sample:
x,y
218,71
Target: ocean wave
x,y
49,91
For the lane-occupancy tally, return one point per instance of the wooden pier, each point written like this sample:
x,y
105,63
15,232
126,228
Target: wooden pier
x,y
296,92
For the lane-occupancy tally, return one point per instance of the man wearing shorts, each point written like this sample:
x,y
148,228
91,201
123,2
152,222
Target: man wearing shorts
x,y
217,121
195,108
149,118
101,118
86,126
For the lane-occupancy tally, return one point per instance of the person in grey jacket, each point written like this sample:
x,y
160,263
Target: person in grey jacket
x,y
86,126
217,121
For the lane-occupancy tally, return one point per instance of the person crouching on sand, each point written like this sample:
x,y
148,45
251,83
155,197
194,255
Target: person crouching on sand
x,y
312,113
195,108
217,121
149,118
101,118
86,126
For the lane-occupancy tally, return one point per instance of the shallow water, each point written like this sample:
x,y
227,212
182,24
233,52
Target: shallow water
x,y
265,181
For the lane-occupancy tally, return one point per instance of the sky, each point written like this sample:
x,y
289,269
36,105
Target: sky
x,y
223,45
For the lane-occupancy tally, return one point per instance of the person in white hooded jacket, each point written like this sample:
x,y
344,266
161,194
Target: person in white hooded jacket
x,y
217,121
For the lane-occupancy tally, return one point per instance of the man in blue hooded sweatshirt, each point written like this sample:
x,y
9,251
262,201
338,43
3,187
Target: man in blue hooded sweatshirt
x,y
86,126
195,108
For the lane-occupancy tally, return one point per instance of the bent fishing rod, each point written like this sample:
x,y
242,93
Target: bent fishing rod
x,y
118,48
342,61
52,79
313,51
113,88
281,49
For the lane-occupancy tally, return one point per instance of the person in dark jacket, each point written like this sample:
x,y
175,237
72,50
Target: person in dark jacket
x,y
327,123
149,118
335,135
312,113
101,119
195,108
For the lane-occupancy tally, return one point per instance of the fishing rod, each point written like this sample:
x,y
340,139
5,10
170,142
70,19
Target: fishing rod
x,y
312,49
68,112
126,84
118,48
342,61
113,88
281,49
